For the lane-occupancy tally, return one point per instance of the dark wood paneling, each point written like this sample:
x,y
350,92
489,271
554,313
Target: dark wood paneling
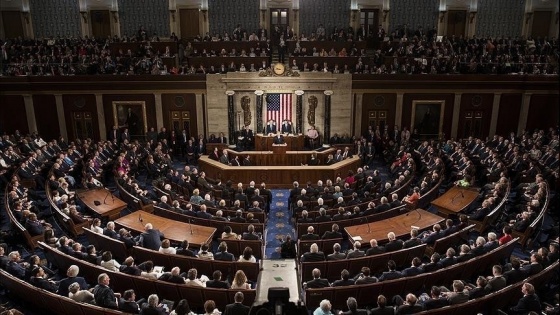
x,y
79,103
378,101
541,23
543,111
46,116
448,110
179,102
108,100
13,26
508,115
100,23
476,103
189,20
12,114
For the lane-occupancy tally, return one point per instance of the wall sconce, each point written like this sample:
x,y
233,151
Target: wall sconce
x,y
263,11
528,17
385,14
25,15
295,14
115,15
471,17
172,12
84,16
442,16
354,14
204,12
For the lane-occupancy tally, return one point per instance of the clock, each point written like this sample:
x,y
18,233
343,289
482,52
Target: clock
x,y
279,69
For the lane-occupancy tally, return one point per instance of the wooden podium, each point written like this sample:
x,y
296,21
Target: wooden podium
x,y
279,148
264,142
455,200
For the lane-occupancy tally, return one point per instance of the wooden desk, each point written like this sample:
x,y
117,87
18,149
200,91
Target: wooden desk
x,y
326,45
173,230
210,147
455,200
277,176
110,206
218,61
264,143
280,157
400,225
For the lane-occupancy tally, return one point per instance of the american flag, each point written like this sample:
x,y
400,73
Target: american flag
x,y
279,107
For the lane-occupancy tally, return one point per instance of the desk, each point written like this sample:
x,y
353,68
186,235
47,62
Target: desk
x,y
264,143
110,207
277,176
173,230
400,225
455,200
278,157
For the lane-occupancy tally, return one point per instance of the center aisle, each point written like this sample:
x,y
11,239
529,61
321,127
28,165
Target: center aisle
x,y
279,223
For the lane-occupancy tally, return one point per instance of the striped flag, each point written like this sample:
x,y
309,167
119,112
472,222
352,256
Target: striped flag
x,y
279,107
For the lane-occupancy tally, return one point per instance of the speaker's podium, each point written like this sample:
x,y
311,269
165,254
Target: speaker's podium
x,y
279,148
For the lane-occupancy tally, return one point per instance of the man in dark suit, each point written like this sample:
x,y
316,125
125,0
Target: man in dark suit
x,y
184,249
432,237
270,127
528,303
278,139
310,235
114,134
382,308
498,281
71,277
129,304
409,306
173,276
459,295
38,279
250,235
534,266
394,243
313,255
223,254
336,255
356,252
237,308
317,282
434,264
344,279
435,301
129,267
392,273
287,127
103,294
110,230
415,269
449,258
374,248
150,238
413,241
216,281
153,307
333,234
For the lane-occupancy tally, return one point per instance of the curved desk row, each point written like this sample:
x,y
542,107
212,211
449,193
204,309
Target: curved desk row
x,y
278,176
281,156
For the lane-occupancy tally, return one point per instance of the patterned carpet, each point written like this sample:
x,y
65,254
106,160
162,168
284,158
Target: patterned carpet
x,y
279,224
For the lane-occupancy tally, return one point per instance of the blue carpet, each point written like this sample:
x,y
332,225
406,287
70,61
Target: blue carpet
x,y
279,224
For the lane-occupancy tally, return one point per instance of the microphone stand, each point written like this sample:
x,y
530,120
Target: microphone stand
x,y
107,195
190,226
368,227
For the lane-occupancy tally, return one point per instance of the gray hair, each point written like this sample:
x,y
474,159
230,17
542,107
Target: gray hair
x,y
325,305
72,271
153,300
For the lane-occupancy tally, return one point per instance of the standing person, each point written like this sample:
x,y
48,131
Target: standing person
x,y
281,49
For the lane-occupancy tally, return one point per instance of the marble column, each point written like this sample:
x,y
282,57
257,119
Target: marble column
x,y
358,111
60,115
259,109
30,113
524,114
456,114
327,120
231,116
299,111
100,116
495,113
398,110
159,112
200,109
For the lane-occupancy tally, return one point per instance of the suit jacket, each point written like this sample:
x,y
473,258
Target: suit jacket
x,y
409,309
412,242
236,309
151,239
526,304
336,256
168,277
224,256
217,284
150,310
387,310
496,283
317,283
129,307
104,296
457,298
66,282
394,245
309,237
319,256
375,250
356,254
390,275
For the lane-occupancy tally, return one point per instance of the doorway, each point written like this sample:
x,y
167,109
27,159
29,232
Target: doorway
x,y
13,25
541,23
100,23
190,24
181,120
456,22
279,17
82,123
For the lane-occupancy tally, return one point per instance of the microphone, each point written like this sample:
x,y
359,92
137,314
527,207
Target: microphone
x,y
190,226
140,217
368,227
462,195
107,195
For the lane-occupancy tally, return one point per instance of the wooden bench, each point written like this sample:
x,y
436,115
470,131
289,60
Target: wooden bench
x,y
452,240
144,286
74,228
482,226
325,246
31,240
365,293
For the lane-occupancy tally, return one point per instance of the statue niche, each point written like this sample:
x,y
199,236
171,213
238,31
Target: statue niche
x,y
312,105
246,106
